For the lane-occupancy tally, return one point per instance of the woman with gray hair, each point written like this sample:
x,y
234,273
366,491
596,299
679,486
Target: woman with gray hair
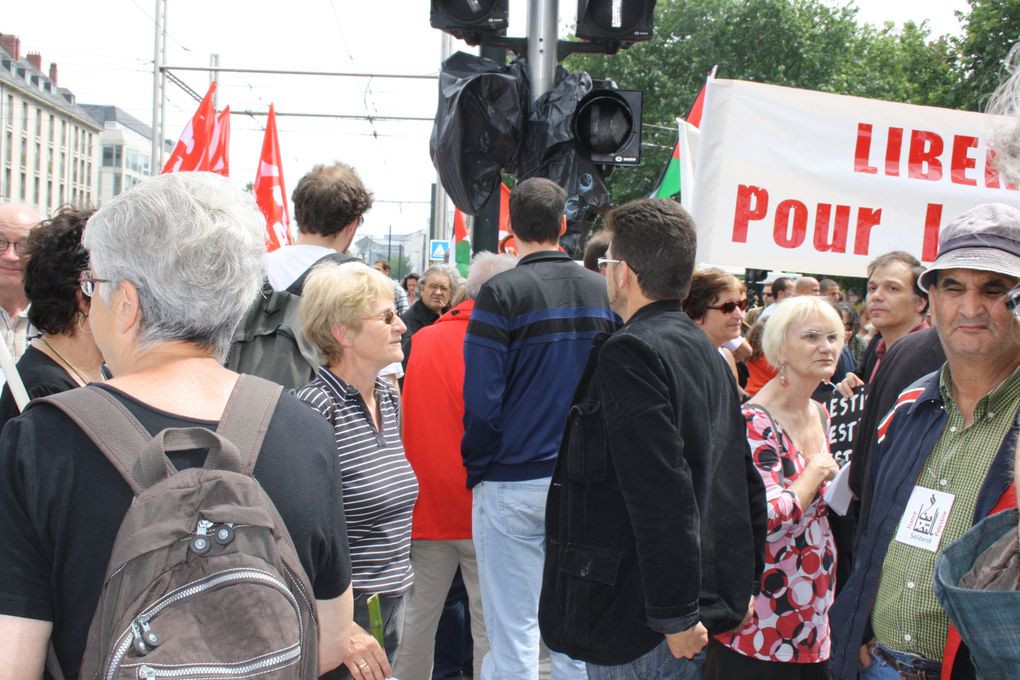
x,y
174,264
348,313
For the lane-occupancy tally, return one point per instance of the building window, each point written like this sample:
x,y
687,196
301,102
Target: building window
x,y
38,123
7,184
35,193
117,183
23,183
53,127
49,192
137,161
10,111
9,147
112,155
24,153
24,117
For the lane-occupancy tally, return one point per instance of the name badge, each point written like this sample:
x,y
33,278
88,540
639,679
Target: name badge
x,y
925,518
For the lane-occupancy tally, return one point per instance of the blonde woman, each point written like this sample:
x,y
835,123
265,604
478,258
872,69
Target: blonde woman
x,y
348,313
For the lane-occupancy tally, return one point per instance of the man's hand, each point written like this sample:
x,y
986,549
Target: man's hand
x,y
846,386
686,644
365,659
743,351
864,657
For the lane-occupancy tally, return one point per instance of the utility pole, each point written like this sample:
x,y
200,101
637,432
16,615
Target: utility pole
x,y
543,37
162,96
156,89
214,64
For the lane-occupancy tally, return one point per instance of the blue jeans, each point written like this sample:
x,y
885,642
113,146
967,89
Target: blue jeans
x,y
657,664
880,668
508,527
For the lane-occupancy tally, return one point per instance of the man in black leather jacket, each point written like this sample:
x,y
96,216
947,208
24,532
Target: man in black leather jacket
x,y
655,522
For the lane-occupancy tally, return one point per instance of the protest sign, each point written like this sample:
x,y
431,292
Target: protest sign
x,y
809,181
845,415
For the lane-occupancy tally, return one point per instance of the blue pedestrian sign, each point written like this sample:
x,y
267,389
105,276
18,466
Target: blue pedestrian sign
x,y
438,249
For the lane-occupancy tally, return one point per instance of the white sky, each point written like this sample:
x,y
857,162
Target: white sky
x,y
104,52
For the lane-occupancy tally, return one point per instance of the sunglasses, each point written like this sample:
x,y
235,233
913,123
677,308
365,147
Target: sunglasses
x,y
386,317
729,307
88,284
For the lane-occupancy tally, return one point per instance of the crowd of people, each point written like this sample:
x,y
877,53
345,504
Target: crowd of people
x,y
619,460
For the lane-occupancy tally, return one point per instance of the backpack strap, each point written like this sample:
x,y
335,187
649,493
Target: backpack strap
x,y
246,417
111,427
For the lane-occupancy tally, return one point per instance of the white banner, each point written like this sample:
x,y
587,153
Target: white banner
x,y
806,181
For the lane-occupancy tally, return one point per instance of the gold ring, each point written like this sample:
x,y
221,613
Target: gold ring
x,y
362,664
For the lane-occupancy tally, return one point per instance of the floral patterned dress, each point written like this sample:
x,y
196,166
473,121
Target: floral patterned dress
x,y
790,623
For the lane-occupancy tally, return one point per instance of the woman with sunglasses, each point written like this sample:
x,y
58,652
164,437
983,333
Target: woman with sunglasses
x,y
716,302
787,635
347,312
64,356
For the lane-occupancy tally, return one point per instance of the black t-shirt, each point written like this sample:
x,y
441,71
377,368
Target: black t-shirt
x,y
42,376
61,505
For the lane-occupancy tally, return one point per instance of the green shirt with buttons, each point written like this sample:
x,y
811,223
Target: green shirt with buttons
x,y
906,616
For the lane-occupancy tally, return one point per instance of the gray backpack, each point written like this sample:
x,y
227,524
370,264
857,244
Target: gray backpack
x,y
204,580
269,343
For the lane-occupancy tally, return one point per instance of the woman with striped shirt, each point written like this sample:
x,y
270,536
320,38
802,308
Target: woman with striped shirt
x,y
347,312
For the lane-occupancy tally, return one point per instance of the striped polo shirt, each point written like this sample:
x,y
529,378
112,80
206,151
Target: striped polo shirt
x,y
379,486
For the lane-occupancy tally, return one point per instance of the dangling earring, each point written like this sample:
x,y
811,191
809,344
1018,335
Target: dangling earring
x,y
783,380
83,323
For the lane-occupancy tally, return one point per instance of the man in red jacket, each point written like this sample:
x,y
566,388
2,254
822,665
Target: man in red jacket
x,y
433,407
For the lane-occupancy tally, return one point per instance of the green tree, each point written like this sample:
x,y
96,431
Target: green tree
x,y
991,27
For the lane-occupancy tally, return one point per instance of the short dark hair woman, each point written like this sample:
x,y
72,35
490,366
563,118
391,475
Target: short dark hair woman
x,y
64,356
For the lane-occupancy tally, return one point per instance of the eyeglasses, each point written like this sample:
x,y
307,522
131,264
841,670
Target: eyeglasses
x,y
816,337
1013,302
20,247
386,317
88,283
604,262
729,307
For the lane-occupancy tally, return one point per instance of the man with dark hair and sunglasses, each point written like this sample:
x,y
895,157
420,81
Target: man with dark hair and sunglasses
x,y
16,220
656,517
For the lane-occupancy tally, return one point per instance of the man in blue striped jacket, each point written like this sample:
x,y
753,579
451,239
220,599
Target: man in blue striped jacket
x,y
526,346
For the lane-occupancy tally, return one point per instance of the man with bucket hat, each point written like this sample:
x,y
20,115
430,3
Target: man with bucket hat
x,y
943,461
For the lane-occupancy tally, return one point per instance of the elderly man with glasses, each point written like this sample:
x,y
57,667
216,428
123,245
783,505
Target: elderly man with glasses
x,y
16,220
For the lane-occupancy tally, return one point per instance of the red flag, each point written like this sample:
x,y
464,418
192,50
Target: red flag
x,y
219,147
269,192
194,147
694,117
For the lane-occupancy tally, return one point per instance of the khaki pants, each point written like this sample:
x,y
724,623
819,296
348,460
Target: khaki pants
x,y
434,564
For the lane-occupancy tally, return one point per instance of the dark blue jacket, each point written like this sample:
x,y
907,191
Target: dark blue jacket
x,y
914,429
526,346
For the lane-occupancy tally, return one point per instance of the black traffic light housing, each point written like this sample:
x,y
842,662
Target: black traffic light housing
x,y
607,125
620,21
470,20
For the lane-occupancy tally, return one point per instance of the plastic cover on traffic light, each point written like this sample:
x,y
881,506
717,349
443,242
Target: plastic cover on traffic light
x,y
607,125
478,127
470,19
621,21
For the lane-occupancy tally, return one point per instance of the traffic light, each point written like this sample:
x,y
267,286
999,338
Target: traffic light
x,y
469,20
607,125
620,21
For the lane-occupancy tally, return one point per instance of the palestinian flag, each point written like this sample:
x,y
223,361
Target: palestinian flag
x,y
461,251
669,181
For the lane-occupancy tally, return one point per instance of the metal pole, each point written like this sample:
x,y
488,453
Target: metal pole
x,y
155,84
162,96
389,247
214,64
543,36
440,214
